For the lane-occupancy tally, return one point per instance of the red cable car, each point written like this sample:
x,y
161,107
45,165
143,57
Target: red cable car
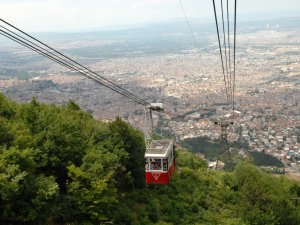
x,y
160,162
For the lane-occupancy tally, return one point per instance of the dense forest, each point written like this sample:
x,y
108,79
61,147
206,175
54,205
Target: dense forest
x,y
58,165
263,159
210,150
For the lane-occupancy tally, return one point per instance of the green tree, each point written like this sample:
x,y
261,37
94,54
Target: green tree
x,y
30,114
132,142
25,196
92,186
7,108
62,140
264,199
5,135
186,159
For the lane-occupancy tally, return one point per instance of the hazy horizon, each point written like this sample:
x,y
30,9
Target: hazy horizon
x,y
78,15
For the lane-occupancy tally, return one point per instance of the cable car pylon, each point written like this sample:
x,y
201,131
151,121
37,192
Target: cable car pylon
x,y
224,149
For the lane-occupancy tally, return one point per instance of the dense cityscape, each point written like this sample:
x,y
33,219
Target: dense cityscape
x,y
190,85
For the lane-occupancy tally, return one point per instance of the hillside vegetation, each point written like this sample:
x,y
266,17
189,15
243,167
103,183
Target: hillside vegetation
x,y
58,165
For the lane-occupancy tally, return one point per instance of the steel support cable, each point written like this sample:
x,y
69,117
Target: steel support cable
x,y
109,83
192,33
228,38
74,62
53,59
65,61
224,43
63,64
234,43
216,20
15,39
189,25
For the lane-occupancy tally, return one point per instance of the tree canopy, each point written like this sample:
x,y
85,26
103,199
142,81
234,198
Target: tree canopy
x,y
58,165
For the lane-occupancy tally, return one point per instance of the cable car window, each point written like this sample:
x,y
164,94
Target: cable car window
x,y
147,164
155,164
165,164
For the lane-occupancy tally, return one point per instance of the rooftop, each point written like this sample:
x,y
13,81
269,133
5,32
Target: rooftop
x,y
159,147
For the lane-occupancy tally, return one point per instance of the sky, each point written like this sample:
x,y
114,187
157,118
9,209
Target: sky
x,y
80,15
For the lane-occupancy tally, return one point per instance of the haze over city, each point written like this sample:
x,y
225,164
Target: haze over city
x,y
81,15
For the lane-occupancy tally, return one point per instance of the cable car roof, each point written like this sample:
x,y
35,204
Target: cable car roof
x,y
159,149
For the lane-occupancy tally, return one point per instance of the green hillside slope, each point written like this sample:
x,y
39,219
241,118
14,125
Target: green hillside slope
x,y
58,165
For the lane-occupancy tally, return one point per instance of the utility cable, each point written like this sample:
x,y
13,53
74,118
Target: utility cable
x,y
47,55
231,85
62,63
189,25
43,53
64,56
226,64
110,83
225,82
192,33
234,47
73,63
228,38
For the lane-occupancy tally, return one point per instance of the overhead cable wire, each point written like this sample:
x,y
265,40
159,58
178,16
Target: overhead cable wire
x,y
229,60
75,65
56,60
192,33
47,55
234,47
224,126
189,25
225,48
216,20
66,58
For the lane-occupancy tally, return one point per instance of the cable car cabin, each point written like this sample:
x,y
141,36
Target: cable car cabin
x,y
159,162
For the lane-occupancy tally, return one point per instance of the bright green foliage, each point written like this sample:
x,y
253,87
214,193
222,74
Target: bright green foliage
x,y
5,136
58,165
197,195
187,159
92,186
264,200
132,142
25,195
6,107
